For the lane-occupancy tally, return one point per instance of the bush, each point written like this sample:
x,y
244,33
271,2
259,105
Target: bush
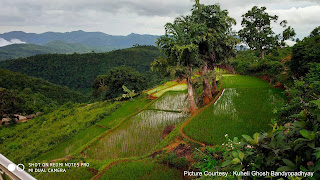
x,y
172,160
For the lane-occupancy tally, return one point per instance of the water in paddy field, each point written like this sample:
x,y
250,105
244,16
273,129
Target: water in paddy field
x,y
137,137
237,101
175,101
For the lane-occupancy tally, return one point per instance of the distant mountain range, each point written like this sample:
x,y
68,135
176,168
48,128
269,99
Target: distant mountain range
x,y
15,51
68,42
95,39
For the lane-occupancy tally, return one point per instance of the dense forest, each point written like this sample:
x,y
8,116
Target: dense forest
x,y
20,93
78,71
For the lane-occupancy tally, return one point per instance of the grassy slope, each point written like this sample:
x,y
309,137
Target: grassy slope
x,y
178,87
75,173
244,108
143,169
26,141
92,132
161,87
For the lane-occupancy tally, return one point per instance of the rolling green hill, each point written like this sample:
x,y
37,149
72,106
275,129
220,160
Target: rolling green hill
x,y
77,71
14,51
20,93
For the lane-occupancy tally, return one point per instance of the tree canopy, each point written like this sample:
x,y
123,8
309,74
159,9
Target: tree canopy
x,y
257,32
112,83
305,52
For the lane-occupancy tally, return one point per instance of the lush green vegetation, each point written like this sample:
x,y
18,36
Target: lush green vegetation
x,y
238,81
178,87
135,137
240,110
85,136
171,101
24,142
23,94
248,63
143,169
78,71
111,84
81,173
161,87
305,52
293,142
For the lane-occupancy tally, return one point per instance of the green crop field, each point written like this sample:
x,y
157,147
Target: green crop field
x,y
144,169
178,87
238,81
171,100
163,86
92,132
137,136
238,111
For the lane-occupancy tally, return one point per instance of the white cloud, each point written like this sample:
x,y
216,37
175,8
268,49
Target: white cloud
x,y
123,17
290,42
4,42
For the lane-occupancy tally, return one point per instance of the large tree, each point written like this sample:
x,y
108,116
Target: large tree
x,y
257,32
179,45
217,42
111,83
304,53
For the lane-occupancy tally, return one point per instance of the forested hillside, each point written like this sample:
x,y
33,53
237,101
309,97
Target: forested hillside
x,y
20,93
78,71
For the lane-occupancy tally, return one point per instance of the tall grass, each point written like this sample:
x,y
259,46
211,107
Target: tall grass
x,y
144,169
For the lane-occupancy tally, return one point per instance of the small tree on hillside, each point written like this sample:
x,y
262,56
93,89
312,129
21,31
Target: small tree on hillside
x,y
257,32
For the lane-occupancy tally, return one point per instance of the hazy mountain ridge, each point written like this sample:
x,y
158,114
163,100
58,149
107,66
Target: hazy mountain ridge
x,y
87,38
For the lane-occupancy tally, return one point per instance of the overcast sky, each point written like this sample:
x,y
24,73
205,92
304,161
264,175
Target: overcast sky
x,y
122,17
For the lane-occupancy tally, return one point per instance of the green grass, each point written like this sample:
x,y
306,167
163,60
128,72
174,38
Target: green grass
x,y
178,87
73,144
76,173
92,132
238,111
143,169
130,107
159,88
238,81
31,139
136,137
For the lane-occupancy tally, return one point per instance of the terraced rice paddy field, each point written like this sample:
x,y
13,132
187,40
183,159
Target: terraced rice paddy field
x,y
87,135
142,132
245,107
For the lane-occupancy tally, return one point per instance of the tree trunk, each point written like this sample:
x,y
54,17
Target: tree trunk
x,y
214,85
192,103
206,87
262,53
